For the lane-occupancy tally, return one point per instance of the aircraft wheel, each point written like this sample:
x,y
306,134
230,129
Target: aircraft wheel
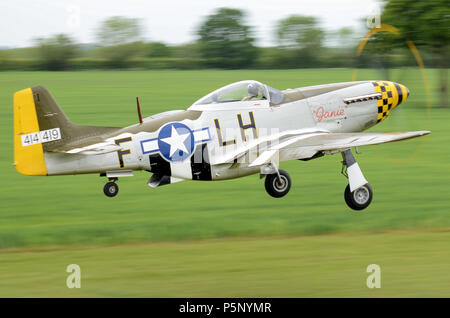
x,y
360,198
276,188
111,189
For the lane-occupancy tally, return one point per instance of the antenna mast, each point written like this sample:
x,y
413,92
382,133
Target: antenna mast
x,y
139,110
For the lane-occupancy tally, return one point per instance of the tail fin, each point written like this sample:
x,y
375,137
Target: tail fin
x,y
40,125
28,151
49,114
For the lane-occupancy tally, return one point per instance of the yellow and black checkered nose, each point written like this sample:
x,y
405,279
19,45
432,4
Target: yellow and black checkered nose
x,y
392,95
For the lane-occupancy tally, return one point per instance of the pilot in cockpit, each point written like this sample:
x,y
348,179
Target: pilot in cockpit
x,y
253,92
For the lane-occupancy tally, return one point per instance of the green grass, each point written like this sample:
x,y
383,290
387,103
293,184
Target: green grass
x,y
410,181
412,265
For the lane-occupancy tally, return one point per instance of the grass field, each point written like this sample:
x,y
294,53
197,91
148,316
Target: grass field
x,y
235,223
412,265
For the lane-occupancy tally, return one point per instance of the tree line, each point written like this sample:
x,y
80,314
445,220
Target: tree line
x,y
226,41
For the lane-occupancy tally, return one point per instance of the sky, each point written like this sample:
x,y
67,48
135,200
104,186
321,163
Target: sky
x,y
169,21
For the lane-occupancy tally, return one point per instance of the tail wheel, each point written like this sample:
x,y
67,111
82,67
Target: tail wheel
x,y
360,198
276,186
111,189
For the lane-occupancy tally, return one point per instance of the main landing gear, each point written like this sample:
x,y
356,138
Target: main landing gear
x,y
278,182
111,188
358,194
360,198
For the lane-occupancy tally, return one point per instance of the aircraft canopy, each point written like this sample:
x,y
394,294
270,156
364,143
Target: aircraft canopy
x,y
243,91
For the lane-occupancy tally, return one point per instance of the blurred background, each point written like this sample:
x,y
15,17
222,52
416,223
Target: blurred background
x,y
227,239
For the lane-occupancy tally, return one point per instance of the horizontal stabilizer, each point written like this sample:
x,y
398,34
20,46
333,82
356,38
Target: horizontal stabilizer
x,y
95,149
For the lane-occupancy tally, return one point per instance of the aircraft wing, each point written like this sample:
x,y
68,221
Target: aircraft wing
x,y
303,147
231,156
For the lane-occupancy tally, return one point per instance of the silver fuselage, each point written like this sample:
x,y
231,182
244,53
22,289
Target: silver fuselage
x,y
221,128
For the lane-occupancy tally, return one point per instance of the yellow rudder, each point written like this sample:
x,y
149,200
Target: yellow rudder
x,y
28,159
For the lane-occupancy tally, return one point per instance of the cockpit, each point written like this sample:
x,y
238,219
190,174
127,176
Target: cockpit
x,y
244,91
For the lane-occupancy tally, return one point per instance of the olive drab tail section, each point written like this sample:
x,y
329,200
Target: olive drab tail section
x,y
39,124
41,127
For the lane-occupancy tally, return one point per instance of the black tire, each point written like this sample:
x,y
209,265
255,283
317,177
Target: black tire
x,y
273,186
111,189
360,198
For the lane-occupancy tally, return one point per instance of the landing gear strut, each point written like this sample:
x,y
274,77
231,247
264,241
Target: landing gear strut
x,y
358,193
111,188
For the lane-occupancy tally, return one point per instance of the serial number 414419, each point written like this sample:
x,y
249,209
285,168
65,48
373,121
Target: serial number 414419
x,y
41,137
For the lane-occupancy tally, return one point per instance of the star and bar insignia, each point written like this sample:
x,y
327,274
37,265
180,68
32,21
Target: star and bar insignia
x,y
175,141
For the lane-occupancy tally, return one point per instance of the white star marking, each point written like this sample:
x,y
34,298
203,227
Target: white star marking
x,y
176,141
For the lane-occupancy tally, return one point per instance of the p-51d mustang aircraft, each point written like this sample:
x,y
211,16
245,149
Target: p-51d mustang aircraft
x,y
240,129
